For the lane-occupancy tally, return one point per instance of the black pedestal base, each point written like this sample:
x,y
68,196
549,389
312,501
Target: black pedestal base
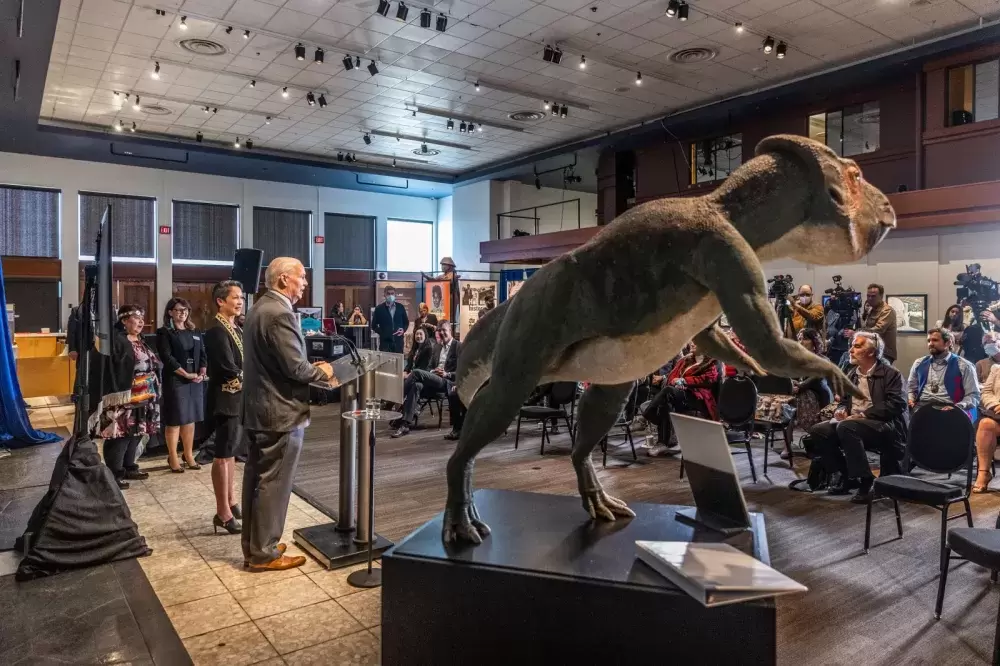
x,y
365,578
334,549
551,586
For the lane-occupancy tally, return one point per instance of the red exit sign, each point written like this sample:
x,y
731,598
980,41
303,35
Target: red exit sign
x,y
165,230
319,240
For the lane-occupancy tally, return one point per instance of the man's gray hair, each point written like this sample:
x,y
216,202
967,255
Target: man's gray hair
x,y
279,266
874,341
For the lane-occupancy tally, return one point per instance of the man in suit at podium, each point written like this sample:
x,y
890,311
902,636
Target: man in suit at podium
x,y
389,321
275,411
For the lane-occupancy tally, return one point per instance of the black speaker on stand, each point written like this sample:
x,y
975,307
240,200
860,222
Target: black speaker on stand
x,y
246,268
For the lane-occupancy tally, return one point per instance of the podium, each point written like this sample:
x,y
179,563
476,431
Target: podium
x,y
368,376
551,586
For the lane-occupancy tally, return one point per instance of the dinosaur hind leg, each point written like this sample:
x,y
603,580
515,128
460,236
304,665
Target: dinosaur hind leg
x,y
598,411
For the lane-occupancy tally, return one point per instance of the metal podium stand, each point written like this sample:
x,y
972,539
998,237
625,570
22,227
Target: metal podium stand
x,y
352,538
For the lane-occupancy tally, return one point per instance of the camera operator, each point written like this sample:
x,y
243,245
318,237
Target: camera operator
x,y
981,294
878,317
806,313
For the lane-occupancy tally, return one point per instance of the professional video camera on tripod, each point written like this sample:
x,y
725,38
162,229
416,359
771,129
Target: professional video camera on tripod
x,y
843,313
982,295
779,288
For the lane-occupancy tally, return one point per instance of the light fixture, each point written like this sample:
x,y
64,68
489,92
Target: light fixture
x,y
348,63
477,85
768,44
739,27
583,62
357,61
156,72
249,144
461,128
413,113
198,137
442,23
267,121
236,144
372,68
564,111
393,161
451,124
284,91
117,94
322,101
555,109
246,34
782,49
682,11
300,51
423,147
383,7
319,56
538,183
206,109
311,99
548,54
479,127
253,83
402,12
136,106
546,105
183,25
557,56
638,78
119,127
229,30
368,139
425,18
132,129
340,156
672,8
215,110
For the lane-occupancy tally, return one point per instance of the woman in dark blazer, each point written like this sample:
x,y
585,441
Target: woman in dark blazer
x,y
421,352
185,365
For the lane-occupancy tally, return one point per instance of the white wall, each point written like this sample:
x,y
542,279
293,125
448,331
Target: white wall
x,y
471,223
517,196
72,176
910,262
445,230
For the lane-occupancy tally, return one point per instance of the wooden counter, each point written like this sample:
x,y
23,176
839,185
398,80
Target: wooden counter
x,y
42,367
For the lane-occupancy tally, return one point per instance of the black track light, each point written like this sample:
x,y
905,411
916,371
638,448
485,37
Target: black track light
x,y
267,121
402,12
638,78
768,44
461,128
557,56
423,148
451,124
253,83
739,27
682,11
199,137
538,183
340,156
555,109
119,127
136,106
672,7
357,61
132,129
442,23
413,113
311,99
229,30
372,68
156,72
284,91
300,52
319,56
425,18
548,54
160,12
393,161
564,111
215,110
206,109
249,144
246,34
477,86
236,144
368,139
583,62
183,25
383,7
546,105
348,63
479,127
322,101
782,49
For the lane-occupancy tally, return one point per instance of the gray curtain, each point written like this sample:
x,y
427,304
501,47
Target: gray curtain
x,y
133,221
282,233
206,232
350,241
29,222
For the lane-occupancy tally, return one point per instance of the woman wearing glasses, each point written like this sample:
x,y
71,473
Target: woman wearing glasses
x,y
185,366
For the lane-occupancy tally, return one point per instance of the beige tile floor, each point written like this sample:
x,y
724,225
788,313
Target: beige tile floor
x,y
225,615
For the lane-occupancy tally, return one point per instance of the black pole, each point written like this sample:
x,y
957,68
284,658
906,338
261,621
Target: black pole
x,y
371,496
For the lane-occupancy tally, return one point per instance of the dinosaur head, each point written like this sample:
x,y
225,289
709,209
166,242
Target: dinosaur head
x,y
845,216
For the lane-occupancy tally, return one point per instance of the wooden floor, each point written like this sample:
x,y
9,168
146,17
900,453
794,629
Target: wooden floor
x,y
860,609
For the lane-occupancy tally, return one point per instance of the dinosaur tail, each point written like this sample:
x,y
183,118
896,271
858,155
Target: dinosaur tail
x,y
475,364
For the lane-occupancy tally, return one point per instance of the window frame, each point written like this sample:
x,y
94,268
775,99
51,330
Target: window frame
x,y
947,91
434,239
693,157
310,238
121,260
843,122
59,214
205,262
374,257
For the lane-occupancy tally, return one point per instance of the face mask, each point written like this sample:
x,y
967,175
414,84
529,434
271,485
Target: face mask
x,y
991,349
390,299
804,300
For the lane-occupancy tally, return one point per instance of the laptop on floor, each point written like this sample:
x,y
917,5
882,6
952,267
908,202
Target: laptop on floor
x,y
715,484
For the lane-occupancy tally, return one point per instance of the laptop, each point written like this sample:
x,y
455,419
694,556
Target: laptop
x,y
708,462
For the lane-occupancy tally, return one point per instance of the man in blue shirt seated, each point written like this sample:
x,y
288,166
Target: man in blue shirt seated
x,y
943,377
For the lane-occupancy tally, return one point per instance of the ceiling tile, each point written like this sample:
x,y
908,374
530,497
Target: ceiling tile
x,y
313,7
251,13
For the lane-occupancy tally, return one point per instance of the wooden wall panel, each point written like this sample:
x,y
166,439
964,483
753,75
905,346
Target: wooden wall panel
x,y
30,267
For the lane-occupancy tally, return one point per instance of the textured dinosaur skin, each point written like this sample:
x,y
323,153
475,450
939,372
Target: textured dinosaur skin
x,y
656,277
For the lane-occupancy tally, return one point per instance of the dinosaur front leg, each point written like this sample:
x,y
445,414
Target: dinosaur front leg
x,y
597,413
714,342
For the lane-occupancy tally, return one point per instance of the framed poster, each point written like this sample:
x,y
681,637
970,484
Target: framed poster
x,y
911,312
474,294
437,296
406,295
310,319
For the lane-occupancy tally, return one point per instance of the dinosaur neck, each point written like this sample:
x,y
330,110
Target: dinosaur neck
x,y
764,199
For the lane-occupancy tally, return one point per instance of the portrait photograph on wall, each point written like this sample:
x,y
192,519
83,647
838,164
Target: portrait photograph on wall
x,y
437,296
911,312
474,297
406,295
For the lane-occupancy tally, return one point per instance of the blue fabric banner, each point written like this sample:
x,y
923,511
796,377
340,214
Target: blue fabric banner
x,y
15,429
516,275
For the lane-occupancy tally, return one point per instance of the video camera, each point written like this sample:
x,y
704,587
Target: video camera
x,y
780,287
842,301
976,290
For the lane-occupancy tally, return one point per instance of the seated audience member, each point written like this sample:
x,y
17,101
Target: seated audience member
x,y
943,377
357,318
338,315
457,411
954,322
421,351
876,422
437,381
688,388
811,394
992,350
426,319
988,429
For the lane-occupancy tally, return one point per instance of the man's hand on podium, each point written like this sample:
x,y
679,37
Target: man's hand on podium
x,y
328,371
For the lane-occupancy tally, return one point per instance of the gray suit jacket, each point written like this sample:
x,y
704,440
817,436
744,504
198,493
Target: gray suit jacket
x,y
276,372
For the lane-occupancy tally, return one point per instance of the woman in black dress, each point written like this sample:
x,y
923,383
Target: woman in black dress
x,y
184,369
421,351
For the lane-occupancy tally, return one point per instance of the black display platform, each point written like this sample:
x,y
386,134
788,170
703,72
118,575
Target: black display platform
x,y
334,549
551,586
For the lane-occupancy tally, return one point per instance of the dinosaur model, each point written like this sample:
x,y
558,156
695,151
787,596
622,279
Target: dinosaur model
x,y
658,276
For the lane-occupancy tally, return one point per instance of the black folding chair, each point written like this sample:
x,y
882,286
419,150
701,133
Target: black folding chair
x,y
429,402
560,393
773,385
941,440
737,406
625,420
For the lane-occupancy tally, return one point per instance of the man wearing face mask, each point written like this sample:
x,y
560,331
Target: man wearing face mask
x,y
877,316
389,322
806,313
992,351
943,377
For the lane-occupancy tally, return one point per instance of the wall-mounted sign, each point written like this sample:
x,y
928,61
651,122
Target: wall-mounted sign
x,y
165,230
319,240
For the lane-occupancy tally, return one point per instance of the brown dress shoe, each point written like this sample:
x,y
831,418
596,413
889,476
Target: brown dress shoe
x,y
281,551
280,564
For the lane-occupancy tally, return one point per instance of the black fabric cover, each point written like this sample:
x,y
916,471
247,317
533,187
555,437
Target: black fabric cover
x,y
83,519
976,544
913,489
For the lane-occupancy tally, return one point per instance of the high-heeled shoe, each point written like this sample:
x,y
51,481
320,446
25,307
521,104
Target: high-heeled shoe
x,y
177,470
230,525
978,490
191,465
237,513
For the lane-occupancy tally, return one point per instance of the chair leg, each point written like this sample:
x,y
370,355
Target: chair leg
x,y
942,582
545,433
993,576
996,642
968,511
899,519
868,524
787,434
604,448
767,449
944,534
682,467
753,471
572,433
440,415
517,433
628,435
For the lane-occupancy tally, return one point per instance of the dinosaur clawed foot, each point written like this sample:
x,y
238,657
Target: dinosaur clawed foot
x,y
603,506
463,525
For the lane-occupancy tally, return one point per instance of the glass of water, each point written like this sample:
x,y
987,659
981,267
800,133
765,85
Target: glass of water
x,y
374,407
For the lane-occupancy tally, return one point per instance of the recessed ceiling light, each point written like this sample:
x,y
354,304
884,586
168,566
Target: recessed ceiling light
x,y
477,85
638,78
183,25
236,144
583,62
284,91
739,27
246,34
546,105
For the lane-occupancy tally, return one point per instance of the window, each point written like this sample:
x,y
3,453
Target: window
x,y
133,224
350,241
283,233
29,222
973,92
205,233
715,159
853,130
409,246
